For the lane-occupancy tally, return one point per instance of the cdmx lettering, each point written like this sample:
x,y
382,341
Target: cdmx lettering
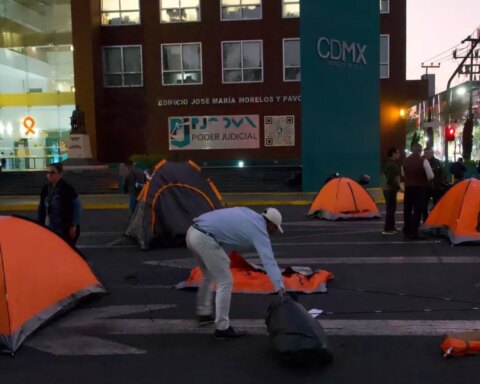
x,y
336,50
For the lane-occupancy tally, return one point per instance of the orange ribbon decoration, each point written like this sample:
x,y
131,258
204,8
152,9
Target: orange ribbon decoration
x,y
29,124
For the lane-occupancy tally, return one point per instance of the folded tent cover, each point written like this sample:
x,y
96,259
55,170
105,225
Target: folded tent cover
x,y
343,198
457,214
41,276
176,193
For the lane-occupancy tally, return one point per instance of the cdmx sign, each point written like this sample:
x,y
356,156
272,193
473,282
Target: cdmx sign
x,y
336,50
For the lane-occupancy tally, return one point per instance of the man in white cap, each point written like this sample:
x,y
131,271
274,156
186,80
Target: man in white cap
x,y
211,236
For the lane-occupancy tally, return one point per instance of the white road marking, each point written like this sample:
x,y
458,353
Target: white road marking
x,y
190,263
361,243
76,329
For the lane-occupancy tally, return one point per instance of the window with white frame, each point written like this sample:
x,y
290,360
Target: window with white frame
x,y
384,6
179,11
120,12
291,8
241,9
242,61
291,59
181,64
122,66
384,56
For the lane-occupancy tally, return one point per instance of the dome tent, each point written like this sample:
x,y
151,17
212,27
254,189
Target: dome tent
x,y
176,193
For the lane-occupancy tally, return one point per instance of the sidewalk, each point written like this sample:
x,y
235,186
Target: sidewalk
x,y
119,201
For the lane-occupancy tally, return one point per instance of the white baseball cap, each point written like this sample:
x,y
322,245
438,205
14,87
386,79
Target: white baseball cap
x,y
274,216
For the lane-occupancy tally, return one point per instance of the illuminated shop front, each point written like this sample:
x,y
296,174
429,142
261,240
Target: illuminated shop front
x,y
433,118
36,82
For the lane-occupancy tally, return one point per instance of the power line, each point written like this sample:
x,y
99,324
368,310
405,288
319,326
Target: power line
x,y
449,49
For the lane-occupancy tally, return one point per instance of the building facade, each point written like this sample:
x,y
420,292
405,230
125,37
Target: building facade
x,y
174,76
209,80
36,82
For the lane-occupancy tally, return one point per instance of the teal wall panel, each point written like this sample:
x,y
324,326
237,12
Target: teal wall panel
x,y
340,89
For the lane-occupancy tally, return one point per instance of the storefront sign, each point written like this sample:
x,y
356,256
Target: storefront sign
x,y
229,100
214,132
279,131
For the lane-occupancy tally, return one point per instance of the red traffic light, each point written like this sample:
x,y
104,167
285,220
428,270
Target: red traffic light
x,y
450,132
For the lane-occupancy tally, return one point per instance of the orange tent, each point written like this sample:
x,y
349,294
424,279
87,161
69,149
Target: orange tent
x,y
249,278
457,214
343,198
40,277
461,344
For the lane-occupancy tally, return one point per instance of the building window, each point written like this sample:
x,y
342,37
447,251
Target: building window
x,y
122,66
179,11
241,9
291,59
242,61
120,12
291,8
181,64
384,56
384,6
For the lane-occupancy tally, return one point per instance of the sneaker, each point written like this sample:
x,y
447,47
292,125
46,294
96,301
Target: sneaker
x,y
390,232
228,334
204,320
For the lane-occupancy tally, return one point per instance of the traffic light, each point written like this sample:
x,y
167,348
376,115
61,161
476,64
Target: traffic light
x,y
450,132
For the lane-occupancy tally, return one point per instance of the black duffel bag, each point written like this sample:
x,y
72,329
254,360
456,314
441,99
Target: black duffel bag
x,y
295,335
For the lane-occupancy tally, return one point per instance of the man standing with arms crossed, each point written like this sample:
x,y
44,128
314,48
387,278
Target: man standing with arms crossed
x,y
211,236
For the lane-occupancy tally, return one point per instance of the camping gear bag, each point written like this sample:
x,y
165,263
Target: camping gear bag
x,y
295,335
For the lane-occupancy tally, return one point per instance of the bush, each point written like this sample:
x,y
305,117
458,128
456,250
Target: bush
x,y
146,160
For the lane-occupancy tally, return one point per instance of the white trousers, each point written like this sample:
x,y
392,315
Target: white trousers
x,y
215,266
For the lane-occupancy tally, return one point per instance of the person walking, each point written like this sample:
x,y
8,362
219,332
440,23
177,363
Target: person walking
x,y
59,207
436,187
210,237
418,173
391,173
458,169
133,182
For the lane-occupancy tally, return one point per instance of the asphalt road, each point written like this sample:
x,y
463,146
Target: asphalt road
x,y
385,312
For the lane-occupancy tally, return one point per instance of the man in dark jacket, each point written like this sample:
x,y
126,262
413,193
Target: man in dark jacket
x,y
390,186
436,187
59,207
418,174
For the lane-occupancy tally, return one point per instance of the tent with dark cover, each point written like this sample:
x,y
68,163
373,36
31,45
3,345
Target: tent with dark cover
x,y
176,193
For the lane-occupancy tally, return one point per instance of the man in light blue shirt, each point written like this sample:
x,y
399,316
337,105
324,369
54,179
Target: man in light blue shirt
x,y
215,233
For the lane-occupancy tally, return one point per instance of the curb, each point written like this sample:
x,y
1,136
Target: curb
x,y
231,203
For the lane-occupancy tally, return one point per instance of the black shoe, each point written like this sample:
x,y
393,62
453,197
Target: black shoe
x,y
204,320
228,334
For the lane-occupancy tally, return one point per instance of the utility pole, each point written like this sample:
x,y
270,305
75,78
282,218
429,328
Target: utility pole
x,y
471,69
426,66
